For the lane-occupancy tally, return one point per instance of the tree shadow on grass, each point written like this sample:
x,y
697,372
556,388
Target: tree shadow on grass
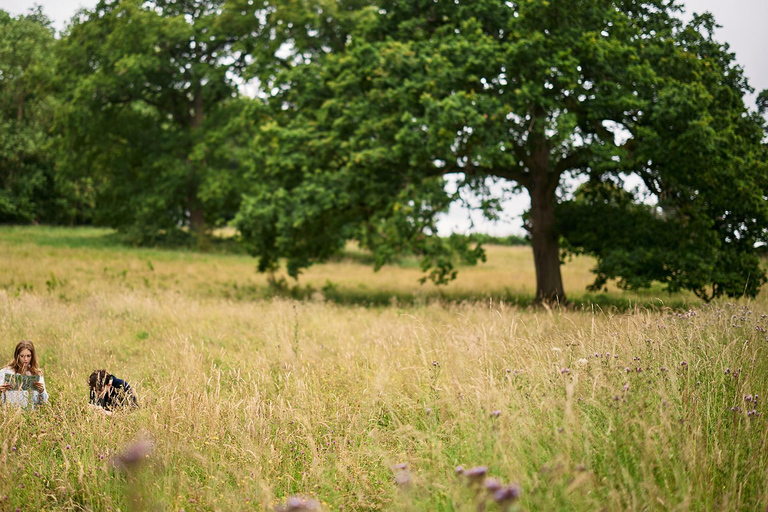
x,y
336,294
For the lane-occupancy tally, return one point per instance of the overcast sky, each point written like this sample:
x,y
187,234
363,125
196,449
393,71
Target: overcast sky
x,y
744,28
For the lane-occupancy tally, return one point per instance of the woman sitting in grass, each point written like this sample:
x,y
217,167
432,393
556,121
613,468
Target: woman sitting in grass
x,y
21,382
108,392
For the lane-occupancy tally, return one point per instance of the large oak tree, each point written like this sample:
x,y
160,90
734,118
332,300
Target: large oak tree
x,y
532,92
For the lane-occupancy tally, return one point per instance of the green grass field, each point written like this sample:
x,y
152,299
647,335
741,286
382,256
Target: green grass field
x,y
248,396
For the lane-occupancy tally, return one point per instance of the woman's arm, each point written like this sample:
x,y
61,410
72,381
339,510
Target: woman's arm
x,y
42,398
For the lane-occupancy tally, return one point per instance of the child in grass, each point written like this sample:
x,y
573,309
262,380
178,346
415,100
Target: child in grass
x,y
13,391
108,392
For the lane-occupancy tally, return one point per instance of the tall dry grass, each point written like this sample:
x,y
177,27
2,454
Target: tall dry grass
x,y
249,402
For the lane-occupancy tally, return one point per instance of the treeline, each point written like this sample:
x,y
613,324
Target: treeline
x,y
135,118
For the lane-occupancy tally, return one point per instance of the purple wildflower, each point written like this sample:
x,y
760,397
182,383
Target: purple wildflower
x,y
507,494
134,454
492,484
476,473
298,504
403,479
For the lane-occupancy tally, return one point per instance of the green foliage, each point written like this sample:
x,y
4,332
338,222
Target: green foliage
x,y
640,244
507,241
529,92
30,189
151,114
699,151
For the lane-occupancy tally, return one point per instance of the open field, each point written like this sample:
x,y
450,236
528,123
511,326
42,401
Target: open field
x,y
76,263
249,400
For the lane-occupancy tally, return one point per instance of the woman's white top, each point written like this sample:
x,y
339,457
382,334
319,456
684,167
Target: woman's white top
x,y
22,398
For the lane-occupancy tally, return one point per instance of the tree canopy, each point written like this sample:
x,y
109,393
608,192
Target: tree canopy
x,y
29,189
531,92
152,112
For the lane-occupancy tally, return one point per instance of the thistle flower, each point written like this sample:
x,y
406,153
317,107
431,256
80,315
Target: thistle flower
x,y
134,454
491,484
403,479
476,473
495,414
298,504
508,494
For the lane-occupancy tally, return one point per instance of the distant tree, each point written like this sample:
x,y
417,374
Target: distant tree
x,y
29,190
153,113
530,92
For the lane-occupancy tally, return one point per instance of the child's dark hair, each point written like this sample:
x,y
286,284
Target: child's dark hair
x,y
99,379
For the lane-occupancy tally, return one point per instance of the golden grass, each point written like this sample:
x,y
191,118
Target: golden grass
x,y
75,263
249,402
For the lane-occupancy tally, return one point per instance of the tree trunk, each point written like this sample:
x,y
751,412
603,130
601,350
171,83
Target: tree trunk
x,y
544,238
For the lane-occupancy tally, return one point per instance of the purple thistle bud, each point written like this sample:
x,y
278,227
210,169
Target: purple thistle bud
x,y
627,369
476,473
68,447
400,466
626,386
13,448
492,484
508,494
597,355
639,369
298,504
429,410
683,363
435,363
495,414
560,430
565,370
134,454
727,371
607,354
747,398
616,398
459,470
403,479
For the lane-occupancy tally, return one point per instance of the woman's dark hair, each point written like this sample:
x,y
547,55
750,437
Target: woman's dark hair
x,y
99,379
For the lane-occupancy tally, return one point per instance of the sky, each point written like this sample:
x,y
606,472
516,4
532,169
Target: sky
x,y
744,28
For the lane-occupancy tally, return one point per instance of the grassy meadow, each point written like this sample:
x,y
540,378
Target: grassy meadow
x,y
369,391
